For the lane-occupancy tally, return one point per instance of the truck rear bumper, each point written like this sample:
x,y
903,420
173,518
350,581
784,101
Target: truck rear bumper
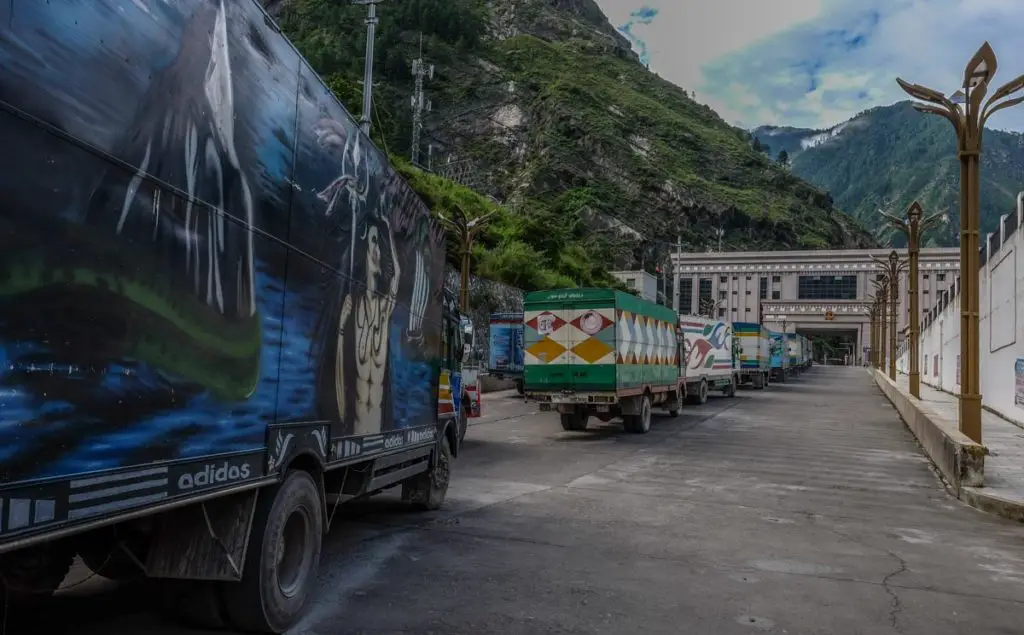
x,y
572,402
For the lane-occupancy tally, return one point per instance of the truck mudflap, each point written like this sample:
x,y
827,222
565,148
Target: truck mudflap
x,y
473,399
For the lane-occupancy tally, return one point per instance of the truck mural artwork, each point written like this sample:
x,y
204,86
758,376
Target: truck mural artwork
x,y
601,353
211,283
710,361
752,344
505,346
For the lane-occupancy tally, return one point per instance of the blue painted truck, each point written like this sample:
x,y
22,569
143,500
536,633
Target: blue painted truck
x,y
505,347
221,310
779,356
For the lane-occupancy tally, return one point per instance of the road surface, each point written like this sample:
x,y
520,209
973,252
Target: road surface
x,y
804,508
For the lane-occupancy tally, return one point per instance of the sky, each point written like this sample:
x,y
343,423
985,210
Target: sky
x,y
816,63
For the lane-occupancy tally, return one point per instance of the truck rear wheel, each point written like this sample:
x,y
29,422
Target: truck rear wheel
x,y
574,421
700,397
282,559
640,423
730,388
463,423
427,491
519,386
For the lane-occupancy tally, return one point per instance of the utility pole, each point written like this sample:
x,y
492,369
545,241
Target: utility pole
x,y
676,281
419,70
371,25
721,232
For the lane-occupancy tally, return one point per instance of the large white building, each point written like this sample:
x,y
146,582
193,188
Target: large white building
x,y
645,285
823,292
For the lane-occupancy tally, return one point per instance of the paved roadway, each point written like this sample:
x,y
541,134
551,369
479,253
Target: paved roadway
x,y
805,508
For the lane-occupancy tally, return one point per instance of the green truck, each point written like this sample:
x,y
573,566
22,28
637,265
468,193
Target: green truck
x,y
604,353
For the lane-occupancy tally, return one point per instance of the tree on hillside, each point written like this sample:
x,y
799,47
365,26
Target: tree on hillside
x,y
757,145
783,157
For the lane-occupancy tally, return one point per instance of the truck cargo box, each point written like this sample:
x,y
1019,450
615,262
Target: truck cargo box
x,y
753,345
597,340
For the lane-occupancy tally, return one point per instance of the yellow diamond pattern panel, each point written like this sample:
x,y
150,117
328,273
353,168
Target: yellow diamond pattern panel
x,y
546,350
592,350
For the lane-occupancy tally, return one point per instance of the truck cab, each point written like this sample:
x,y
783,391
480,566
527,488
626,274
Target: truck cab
x,y
459,387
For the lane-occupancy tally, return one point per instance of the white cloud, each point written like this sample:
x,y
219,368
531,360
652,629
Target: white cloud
x,y
814,63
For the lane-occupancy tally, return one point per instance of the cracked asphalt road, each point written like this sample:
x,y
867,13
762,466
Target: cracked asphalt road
x,y
805,508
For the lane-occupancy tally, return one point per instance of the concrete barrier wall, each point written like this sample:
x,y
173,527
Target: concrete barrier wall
x,y
485,297
1001,325
960,460
493,384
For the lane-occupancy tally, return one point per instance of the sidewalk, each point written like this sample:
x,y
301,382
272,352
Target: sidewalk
x,y
1003,492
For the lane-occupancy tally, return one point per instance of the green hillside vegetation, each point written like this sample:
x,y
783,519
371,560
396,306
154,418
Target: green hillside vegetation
x,y
504,250
599,163
887,157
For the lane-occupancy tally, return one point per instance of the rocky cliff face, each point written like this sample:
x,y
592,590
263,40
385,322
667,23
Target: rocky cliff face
x,y
557,20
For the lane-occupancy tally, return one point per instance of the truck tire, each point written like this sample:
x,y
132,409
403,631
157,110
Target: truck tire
x,y
641,423
519,387
574,421
34,573
463,423
427,491
758,381
700,397
113,563
282,559
730,389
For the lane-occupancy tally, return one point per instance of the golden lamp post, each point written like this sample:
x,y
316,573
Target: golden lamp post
x,y
465,230
893,267
913,227
881,295
969,123
873,313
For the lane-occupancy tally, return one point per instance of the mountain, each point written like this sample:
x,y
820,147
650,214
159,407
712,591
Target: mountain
x,y
542,105
889,156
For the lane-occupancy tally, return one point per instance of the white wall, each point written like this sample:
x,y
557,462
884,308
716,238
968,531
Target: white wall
x,y
1001,327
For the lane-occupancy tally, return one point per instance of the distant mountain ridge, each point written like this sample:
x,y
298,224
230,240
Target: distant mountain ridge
x,y
889,156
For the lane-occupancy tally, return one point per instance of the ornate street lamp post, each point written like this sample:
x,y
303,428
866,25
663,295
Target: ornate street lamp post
x,y
881,294
915,225
893,268
873,313
465,230
969,123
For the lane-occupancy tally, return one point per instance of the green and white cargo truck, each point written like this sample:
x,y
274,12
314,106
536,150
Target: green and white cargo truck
x,y
604,353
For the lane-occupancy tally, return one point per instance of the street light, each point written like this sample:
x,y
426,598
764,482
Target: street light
x,y
915,225
893,268
465,229
873,339
881,296
969,123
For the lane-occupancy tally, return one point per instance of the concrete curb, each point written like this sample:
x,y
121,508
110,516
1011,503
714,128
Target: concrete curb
x,y
960,460
993,504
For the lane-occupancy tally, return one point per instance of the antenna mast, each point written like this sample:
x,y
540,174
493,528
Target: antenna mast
x,y
419,104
